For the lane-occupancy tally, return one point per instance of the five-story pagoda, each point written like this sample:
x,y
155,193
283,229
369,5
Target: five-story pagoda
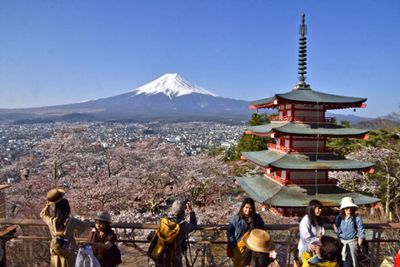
x,y
296,167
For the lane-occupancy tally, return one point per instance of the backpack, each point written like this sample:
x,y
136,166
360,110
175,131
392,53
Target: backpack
x,y
116,255
165,235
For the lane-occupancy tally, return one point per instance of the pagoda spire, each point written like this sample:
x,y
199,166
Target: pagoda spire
x,y
302,69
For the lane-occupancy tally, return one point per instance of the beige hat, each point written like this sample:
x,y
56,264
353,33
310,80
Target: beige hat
x,y
55,195
258,240
103,216
347,202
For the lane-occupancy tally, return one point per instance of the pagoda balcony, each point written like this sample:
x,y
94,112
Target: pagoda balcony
x,y
278,147
276,177
284,181
299,149
302,119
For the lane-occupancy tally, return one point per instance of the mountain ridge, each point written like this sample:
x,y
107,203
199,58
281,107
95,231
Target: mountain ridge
x,y
167,98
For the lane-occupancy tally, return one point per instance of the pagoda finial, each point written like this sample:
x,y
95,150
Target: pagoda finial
x,y
302,70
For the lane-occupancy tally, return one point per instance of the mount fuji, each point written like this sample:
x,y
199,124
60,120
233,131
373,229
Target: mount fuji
x,y
168,98
171,84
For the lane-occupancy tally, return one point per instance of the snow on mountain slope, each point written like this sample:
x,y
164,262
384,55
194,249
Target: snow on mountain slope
x,y
171,84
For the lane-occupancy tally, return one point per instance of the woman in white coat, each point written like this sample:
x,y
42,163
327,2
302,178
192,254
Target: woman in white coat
x,y
311,228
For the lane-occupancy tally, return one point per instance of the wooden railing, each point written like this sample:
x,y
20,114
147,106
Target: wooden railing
x,y
29,246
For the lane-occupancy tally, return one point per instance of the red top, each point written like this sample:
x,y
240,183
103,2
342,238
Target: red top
x,y
105,256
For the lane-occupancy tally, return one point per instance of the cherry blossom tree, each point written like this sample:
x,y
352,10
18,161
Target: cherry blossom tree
x,y
384,183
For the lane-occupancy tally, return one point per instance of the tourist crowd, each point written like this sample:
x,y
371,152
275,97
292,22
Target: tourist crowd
x,y
248,243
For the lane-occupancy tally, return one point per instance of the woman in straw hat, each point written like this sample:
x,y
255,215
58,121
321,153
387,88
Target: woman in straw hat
x,y
350,229
62,227
311,228
239,226
102,240
258,252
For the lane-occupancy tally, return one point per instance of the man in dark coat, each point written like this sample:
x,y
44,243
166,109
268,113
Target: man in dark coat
x,y
173,254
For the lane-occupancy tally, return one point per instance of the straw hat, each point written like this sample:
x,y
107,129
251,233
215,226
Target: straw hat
x,y
347,202
103,216
55,195
258,240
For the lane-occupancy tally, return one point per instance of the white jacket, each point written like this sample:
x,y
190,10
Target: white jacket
x,y
309,234
86,258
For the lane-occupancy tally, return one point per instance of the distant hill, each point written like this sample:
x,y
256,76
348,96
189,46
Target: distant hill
x,y
351,118
394,116
378,123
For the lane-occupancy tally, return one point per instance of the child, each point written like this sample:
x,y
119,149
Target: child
x,y
326,254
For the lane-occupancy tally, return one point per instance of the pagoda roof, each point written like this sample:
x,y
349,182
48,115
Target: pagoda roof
x,y
268,191
270,158
292,128
307,95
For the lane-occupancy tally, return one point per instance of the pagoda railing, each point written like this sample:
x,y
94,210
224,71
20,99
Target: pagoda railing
x,y
29,244
302,118
278,147
285,181
277,178
299,149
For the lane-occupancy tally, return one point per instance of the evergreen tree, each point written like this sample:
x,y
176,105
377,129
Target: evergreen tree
x,y
249,142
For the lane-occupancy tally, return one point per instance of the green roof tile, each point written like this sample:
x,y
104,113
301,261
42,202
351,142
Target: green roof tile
x,y
265,190
310,96
291,128
304,162
263,101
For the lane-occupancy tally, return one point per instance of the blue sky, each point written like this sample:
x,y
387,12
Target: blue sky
x,y
56,52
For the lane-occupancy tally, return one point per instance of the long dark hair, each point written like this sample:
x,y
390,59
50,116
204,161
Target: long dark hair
x,y
61,213
253,217
255,259
108,227
353,214
314,220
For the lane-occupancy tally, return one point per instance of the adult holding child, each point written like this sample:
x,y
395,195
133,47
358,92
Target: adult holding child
x,y
311,229
62,227
350,229
239,226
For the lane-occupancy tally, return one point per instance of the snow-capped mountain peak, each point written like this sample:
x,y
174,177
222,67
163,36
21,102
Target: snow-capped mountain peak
x,y
171,84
